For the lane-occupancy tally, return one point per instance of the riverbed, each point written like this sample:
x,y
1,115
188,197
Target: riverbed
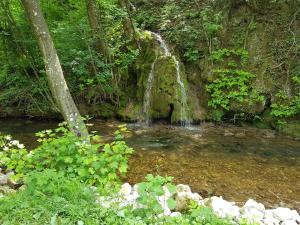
x,y
237,163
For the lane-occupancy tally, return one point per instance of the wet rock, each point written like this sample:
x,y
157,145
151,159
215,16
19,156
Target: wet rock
x,y
240,135
224,209
228,133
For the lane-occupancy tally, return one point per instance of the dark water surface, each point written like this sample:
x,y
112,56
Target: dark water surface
x,y
236,162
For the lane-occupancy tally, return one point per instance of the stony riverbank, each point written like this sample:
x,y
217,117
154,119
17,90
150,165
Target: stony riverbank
x,y
252,211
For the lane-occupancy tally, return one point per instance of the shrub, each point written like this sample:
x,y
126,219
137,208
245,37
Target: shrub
x,y
66,153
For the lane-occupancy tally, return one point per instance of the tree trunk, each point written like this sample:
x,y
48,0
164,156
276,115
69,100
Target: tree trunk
x,y
96,28
54,72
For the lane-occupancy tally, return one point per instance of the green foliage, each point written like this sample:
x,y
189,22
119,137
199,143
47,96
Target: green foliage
x,y
287,105
231,84
50,198
204,215
148,193
211,20
65,152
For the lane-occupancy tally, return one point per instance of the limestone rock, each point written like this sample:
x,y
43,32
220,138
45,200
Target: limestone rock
x,y
184,196
125,189
224,209
183,188
284,214
3,179
175,214
289,222
253,211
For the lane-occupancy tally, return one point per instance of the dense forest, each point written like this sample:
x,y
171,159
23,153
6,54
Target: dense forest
x,y
239,60
171,62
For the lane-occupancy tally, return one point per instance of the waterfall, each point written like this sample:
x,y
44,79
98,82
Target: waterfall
x,y
184,118
147,96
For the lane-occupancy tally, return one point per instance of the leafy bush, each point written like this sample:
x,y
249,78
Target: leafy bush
x,y
65,152
51,197
287,105
230,82
150,190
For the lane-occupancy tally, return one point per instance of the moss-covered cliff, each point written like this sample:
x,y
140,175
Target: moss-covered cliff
x,y
241,58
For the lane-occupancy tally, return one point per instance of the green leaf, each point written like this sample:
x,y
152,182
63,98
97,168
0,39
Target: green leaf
x,y
171,203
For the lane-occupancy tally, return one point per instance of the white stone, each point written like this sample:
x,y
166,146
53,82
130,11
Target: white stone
x,y
125,189
253,211
271,221
223,208
283,214
175,214
167,192
3,179
183,188
289,222
183,200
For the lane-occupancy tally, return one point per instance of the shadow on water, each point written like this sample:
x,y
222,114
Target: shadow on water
x,y
236,162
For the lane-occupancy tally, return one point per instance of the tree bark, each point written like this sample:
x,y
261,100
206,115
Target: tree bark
x,y
56,80
96,28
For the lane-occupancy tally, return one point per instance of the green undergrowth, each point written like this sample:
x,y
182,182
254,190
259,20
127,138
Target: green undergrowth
x,y
63,177
51,197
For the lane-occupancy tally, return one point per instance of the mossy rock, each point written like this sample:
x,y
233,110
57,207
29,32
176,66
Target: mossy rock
x,y
131,113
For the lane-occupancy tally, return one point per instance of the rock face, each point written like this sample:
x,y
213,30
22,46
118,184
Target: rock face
x,y
252,212
157,59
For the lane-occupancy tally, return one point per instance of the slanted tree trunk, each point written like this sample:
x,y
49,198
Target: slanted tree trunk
x,y
93,16
54,72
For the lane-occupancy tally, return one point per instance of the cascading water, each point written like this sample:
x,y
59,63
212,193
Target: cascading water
x,y
184,118
147,96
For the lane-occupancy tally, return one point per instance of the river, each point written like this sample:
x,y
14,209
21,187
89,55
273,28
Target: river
x,y
237,163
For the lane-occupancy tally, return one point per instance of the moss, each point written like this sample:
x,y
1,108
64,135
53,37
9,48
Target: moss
x,y
131,113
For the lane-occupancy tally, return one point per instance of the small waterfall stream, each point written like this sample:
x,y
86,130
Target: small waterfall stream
x,y
147,95
184,117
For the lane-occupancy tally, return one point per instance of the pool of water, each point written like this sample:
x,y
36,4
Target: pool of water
x,y
237,163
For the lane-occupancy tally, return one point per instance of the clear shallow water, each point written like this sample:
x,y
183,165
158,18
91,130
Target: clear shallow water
x,y
236,162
